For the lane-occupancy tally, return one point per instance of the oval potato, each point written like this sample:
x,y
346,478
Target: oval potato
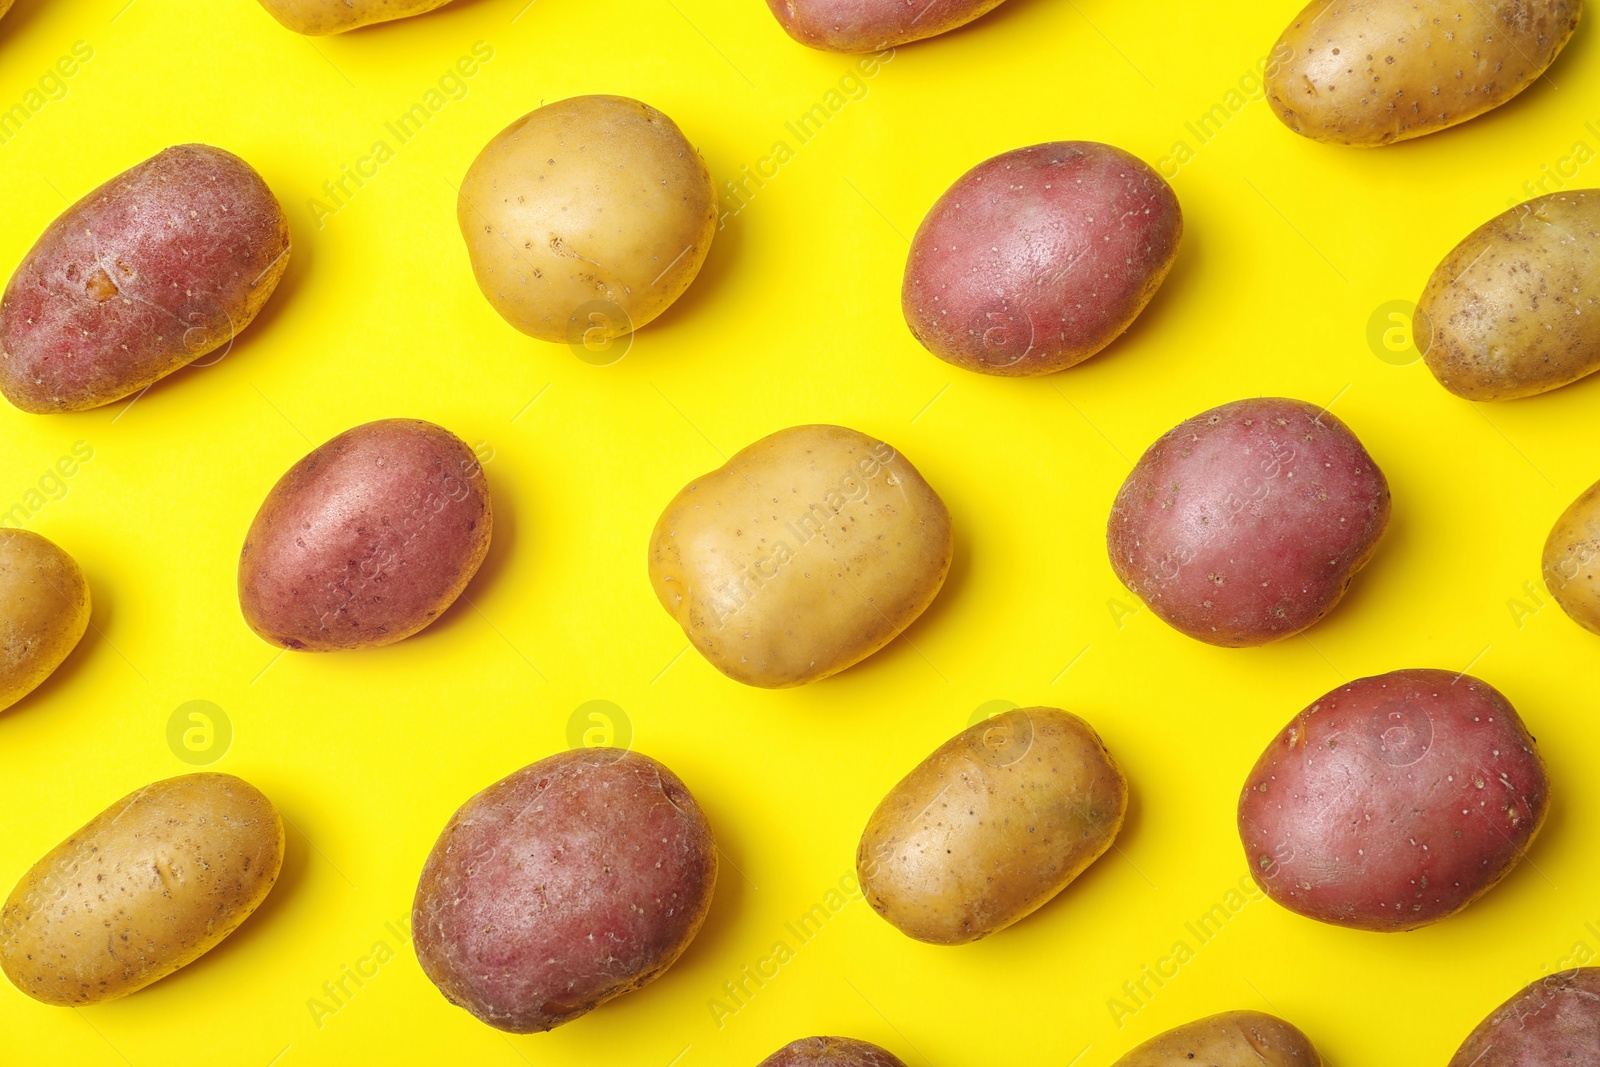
x,y
366,540
831,1052
149,885
1514,309
1569,556
1232,1039
316,18
1553,1022
162,264
991,826
1370,72
44,611
804,554
872,25
572,881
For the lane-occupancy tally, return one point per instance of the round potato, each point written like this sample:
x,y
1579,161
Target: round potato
x,y
804,554
44,610
991,826
1514,309
150,885
1232,1039
587,218
572,881
1569,556
367,539
1246,523
831,1052
1038,258
316,18
872,25
1369,72
1554,1022
159,266
1394,801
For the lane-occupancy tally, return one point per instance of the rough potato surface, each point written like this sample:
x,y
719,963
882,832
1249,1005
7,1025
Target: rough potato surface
x,y
44,611
1553,1022
870,25
1232,1039
831,1052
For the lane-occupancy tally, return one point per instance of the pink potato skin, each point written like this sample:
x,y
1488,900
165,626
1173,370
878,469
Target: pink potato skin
x,y
1246,523
870,25
159,266
366,540
1554,1022
572,881
1394,801
1035,260
831,1052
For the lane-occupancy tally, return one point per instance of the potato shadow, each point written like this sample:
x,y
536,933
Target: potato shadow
x,y
501,550
1368,586
440,15
1006,13
17,19
1186,269
76,660
721,259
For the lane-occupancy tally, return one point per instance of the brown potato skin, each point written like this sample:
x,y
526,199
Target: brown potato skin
x,y
317,18
1246,523
1569,557
1393,802
366,540
149,885
572,881
159,266
1514,309
856,542
1553,1022
44,611
1371,72
991,826
871,25
1035,260
831,1052
1232,1039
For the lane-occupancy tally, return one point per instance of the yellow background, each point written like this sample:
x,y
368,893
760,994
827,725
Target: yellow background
x,y
1290,248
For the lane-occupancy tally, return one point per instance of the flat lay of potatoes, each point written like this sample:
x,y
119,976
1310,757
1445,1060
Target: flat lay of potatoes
x,y
1231,1039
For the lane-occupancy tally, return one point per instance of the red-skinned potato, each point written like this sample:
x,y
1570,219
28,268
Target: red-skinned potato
x,y
159,266
1232,1039
572,881
1394,801
1554,1022
1035,260
367,539
831,1052
1245,523
871,25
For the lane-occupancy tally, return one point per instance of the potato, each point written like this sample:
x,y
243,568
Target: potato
x,y
1369,72
831,1052
1035,260
804,554
872,25
316,18
572,881
1232,1039
1553,1022
1514,309
160,265
587,218
1245,523
991,826
1569,556
1394,801
44,610
150,885
367,539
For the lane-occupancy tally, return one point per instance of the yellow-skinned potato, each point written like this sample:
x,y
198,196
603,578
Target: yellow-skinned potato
x,y
1232,1039
150,885
991,826
1370,72
318,18
44,610
807,552
1570,554
587,218
1514,309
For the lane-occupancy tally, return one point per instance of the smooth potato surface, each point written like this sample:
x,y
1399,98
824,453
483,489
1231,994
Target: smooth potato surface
x,y
572,881
1394,801
1369,72
1232,1039
871,25
366,540
316,18
831,1052
807,552
1514,309
991,826
159,266
1570,553
44,611
1040,257
148,886
587,218
1245,523
1553,1022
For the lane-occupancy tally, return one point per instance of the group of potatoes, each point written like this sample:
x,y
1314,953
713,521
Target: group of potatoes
x,y
1389,803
